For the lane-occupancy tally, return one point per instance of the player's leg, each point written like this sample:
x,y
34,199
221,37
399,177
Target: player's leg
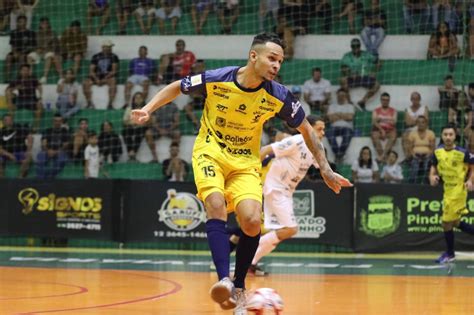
x,y
449,219
209,179
280,218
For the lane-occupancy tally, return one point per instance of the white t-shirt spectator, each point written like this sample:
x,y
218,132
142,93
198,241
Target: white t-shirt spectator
x,y
395,171
91,154
365,174
316,90
344,109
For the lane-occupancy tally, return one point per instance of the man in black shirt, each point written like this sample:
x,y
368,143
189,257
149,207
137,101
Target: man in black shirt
x,y
23,41
54,145
174,168
15,145
103,70
373,33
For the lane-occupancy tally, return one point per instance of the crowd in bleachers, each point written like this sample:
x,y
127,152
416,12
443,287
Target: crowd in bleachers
x,y
64,142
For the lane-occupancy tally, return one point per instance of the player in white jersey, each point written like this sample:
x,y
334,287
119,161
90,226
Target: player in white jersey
x,y
289,166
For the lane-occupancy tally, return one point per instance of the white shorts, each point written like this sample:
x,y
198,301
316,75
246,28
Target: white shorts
x,y
138,79
278,210
141,11
161,14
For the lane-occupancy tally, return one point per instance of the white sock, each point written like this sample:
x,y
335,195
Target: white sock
x,y
267,244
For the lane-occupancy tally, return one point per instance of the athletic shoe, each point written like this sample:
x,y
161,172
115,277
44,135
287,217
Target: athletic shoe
x,y
222,290
240,299
445,258
257,271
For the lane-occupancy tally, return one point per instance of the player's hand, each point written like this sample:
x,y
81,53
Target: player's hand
x,y
434,180
336,182
469,186
139,116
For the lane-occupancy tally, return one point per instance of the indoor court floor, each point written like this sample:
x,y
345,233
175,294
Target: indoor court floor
x,y
108,281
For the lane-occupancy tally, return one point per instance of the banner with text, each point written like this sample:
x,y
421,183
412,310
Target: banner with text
x,y
64,208
403,217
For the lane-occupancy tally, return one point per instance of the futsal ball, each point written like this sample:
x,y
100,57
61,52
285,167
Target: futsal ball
x,y
264,299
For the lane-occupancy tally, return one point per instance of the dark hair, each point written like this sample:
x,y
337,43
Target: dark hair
x,y
82,119
417,93
143,46
316,69
341,90
422,117
448,77
92,134
106,122
76,23
438,32
393,152
25,65
369,162
6,115
57,115
174,144
449,126
384,94
313,119
44,19
471,85
21,17
134,106
263,38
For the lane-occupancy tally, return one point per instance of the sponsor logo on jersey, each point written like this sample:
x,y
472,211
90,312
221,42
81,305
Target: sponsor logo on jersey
x,y
256,117
222,108
242,108
268,109
221,122
221,89
221,95
237,140
196,80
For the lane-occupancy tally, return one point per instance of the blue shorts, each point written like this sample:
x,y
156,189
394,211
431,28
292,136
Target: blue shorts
x,y
20,156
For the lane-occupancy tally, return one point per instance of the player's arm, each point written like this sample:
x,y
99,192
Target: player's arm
x,y
434,176
265,151
165,96
333,180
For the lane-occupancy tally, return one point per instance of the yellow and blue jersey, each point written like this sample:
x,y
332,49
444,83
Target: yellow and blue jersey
x,y
453,167
233,116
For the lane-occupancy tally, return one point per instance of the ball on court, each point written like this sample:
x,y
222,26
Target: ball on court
x,y
264,299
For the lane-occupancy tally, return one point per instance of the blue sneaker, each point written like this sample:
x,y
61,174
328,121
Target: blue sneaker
x,y
445,258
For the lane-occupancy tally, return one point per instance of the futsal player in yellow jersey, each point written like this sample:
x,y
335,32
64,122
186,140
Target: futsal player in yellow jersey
x,y
226,162
455,167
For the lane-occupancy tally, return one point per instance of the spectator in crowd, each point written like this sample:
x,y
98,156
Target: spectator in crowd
x,y
443,8
54,145
196,100
102,71
145,8
165,123
267,7
176,65
412,7
285,31
297,91
459,116
375,23
109,143
141,70
123,9
169,10
92,157
22,7
422,145
227,12
448,94
392,171
469,129
16,142
101,9
25,93
199,12
444,45
459,16
296,13
47,49
317,91
365,168
67,90
384,127
358,70
350,8
80,139
323,10
74,45
174,168
132,133
413,111
341,118
6,8
22,42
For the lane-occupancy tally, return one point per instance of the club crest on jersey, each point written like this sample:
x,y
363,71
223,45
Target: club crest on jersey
x,y
295,106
